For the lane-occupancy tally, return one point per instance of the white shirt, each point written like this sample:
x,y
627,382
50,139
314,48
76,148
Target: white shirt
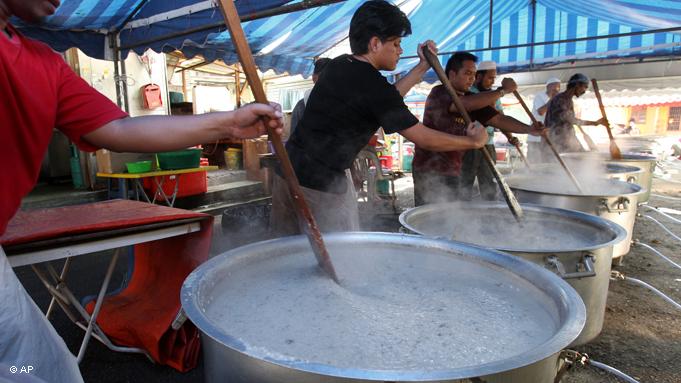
x,y
540,99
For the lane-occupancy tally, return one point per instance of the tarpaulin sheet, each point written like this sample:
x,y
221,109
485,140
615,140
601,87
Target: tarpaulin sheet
x,y
290,42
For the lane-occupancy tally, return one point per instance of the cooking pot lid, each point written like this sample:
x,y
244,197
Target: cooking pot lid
x,y
407,308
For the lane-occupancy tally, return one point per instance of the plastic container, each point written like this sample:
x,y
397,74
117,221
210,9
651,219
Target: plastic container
x,y
383,187
138,167
233,158
181,159
407,159
190,184
176,97
386,162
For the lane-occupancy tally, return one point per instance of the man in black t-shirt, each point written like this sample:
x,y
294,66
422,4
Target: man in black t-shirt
x,y
349,102
299,109
437,175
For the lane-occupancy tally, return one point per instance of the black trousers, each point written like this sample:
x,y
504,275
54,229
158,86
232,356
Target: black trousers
x,y
474,166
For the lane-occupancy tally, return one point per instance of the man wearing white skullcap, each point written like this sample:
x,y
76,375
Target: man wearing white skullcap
x,y
473,165
539,107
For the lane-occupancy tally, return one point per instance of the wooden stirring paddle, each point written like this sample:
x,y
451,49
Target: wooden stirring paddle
x,y
548,141
589,142
615,152
303,211
509,137
511,201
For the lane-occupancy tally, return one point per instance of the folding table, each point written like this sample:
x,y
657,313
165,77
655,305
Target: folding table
x,y
159,178
30,240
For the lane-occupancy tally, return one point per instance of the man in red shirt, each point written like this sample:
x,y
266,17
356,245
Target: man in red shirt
x,y
40,93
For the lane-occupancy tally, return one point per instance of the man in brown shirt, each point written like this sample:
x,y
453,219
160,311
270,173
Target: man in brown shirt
x,y
561,120
437,174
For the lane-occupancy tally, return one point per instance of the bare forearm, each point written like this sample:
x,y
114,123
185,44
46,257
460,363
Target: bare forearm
x,y
543,109
162,133
479,100
509,124
436,141
412,78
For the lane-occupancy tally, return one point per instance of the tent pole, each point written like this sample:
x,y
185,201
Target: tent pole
x,y
131,15
124,85
237,85
116,60
491,16
578,39
553,68
534,25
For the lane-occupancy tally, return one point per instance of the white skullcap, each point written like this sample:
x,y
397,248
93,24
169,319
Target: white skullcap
x,y
487,65
552,80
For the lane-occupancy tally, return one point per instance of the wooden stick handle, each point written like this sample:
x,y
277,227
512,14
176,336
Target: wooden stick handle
x,y
524,105
511,201
248,65
548,141
597,92
509,137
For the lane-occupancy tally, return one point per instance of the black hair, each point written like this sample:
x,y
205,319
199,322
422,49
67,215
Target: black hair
x,y
481,72
376,18
576,79
456,61
320,64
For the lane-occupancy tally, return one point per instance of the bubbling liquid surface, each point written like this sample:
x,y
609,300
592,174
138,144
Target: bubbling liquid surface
x,y
394,310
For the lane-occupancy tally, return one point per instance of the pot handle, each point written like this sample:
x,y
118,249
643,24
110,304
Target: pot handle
x,y
621,205
631,179
585,268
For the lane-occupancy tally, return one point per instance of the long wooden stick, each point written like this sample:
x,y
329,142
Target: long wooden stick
x,y
548,141
509,137
511,201
248,65
615,152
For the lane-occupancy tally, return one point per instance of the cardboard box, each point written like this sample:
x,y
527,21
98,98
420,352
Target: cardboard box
x,y
113,162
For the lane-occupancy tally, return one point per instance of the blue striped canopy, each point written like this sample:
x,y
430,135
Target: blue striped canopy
x,y
288,43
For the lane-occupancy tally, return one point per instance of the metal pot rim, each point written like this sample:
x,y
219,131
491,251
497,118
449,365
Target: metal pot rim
x,y
618,231
568,302
626,157
637,189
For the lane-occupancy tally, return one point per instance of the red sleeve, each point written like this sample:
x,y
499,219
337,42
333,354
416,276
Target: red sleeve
x,y
82,109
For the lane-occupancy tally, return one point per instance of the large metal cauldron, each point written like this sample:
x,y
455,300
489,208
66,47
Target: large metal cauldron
x,y
576,246
611,199
408,308
631,174
645,162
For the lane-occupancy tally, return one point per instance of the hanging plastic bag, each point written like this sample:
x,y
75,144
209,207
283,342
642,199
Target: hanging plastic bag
x,y
151,94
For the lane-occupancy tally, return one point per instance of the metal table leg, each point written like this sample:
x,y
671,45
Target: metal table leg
x,y
98,305
62,296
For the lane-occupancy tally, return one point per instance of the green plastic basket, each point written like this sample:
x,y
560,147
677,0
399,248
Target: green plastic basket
x,y
181,159
138,167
